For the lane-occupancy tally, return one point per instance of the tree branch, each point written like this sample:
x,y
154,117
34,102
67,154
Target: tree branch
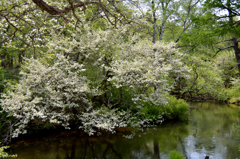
x,y
233,68
221,49
224,41
56,11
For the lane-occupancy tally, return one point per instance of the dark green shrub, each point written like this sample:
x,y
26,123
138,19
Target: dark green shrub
x,y
180,109
175,109
153,112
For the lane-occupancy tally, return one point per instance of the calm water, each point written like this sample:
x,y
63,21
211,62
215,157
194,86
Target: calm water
x,y
209,132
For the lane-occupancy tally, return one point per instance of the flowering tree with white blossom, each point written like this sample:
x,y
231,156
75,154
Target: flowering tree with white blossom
x,y
79,64
59,90
48,94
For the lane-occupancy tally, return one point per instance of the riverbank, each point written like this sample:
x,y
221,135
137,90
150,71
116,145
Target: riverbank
x,y
209,132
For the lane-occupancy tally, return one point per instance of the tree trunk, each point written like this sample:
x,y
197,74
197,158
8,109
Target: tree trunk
x,y
3,63
154,22
237,52
10,61
235,42
20,57
162,30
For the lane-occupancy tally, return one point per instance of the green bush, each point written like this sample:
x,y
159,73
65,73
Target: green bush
x,y
176,155
7,77
179,108
5,122
153,112
175,109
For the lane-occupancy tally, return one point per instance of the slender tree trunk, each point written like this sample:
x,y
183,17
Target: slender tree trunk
x,y
10,61
237,52
3,63
15,60
20,57
162,30
154,22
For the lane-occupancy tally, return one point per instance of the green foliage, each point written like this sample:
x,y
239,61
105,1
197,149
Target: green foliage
x,y
205,80
7,77
5,154
210,78
176,155
212,62
119,66
179,108
225,62
175,109
1,79
5,123
153,112
235,92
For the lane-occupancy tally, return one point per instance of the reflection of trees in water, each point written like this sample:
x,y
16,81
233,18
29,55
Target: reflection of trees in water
x,y
103,149
156,154
73,151
87,149
68,155
110,147
80,146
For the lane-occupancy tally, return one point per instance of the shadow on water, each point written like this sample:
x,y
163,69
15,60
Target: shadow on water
x,y
209,132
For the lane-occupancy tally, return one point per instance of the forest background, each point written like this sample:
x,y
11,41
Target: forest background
x,y
104,64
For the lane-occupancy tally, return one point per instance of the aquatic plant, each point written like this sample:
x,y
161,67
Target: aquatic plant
x,y
176,155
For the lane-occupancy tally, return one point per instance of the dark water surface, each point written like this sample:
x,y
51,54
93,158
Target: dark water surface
x,y
209,132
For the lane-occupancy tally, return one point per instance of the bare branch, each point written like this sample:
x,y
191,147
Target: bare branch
x,y
56,11
78,4
233,68
185,27
73,11
17,29
224,41
221,49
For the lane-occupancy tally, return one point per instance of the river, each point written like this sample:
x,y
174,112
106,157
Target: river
x,y
209,132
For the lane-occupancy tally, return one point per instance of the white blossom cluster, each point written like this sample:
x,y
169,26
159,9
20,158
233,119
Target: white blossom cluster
x,y
48,93
104,119
144,68
133,62
89,43
108,120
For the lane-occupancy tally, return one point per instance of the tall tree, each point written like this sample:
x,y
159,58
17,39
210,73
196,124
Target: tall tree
x,y
166,14
160,10
226,14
